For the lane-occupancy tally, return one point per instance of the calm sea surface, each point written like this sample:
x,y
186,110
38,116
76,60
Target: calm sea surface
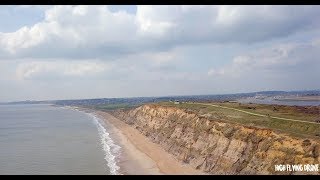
x,y
43,139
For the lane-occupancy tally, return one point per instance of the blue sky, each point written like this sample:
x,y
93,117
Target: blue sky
x,y
14,17
72,52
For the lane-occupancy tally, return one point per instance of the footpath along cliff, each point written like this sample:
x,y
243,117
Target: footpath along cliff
x,y
218,147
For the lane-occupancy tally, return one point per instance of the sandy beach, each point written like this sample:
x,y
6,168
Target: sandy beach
x,y
139,155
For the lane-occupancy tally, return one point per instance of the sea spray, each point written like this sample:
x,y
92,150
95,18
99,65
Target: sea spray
x,y
110,148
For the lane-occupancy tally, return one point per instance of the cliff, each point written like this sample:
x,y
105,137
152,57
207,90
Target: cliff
x,y
218,147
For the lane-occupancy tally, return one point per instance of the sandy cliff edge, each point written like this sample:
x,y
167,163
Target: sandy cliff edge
x,y
217,147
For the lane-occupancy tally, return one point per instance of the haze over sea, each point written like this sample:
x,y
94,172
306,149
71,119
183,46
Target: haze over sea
x,y
43,139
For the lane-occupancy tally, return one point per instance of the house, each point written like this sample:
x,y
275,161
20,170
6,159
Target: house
x,y
176,102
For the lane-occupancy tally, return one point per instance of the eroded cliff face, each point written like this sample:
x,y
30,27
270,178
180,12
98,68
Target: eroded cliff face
x,y
219,147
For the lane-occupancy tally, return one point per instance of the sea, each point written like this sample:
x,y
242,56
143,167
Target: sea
x,y
45,139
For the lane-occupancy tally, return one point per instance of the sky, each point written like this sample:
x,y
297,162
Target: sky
x,y
75,52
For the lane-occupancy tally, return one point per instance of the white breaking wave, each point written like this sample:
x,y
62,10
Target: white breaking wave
x,y
111,150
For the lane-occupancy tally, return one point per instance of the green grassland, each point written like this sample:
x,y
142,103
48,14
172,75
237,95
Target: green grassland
x,y
262,116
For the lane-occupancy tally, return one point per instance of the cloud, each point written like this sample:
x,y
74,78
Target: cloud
x,y
214,72
157,50
59,69
227,24
84,32
145,66
71,31
281,60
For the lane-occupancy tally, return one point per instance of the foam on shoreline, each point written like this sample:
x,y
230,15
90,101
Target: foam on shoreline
x,y
111,150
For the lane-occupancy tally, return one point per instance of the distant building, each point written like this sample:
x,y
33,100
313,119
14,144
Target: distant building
x,y
176,102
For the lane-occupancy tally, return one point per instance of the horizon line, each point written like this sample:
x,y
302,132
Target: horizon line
x,y
75,99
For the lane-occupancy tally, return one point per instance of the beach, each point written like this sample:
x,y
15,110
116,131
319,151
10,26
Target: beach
x,y
138,154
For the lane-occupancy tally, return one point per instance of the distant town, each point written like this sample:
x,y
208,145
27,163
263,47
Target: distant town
x,y
135,101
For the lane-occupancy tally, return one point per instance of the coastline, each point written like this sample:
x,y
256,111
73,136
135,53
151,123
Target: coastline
x,y
138,154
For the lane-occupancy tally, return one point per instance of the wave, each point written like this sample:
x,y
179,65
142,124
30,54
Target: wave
x,y
111,150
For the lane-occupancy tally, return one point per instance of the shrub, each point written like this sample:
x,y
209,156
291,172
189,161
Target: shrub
x,y
306,142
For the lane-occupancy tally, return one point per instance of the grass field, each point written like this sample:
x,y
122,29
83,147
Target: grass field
x,y
257,115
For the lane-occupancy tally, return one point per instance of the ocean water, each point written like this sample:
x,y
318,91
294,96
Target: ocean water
x,y
43,139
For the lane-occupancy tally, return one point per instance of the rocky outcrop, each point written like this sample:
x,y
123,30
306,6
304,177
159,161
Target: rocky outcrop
x,y
218,147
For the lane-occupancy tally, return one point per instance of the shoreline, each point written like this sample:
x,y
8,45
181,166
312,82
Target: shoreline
x,y
138,154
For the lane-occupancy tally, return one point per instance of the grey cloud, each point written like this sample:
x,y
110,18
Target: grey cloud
x,y
284,66
80,32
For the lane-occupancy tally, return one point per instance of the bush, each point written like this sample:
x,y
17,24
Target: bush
x,y
306,142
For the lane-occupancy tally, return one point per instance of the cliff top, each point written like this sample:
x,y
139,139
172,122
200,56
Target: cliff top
x,y
299,121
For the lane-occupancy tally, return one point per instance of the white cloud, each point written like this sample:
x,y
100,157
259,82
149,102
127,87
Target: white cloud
x,y
278,60
214,72
160,50
56,69
96,32
149,24
145,66
43,7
